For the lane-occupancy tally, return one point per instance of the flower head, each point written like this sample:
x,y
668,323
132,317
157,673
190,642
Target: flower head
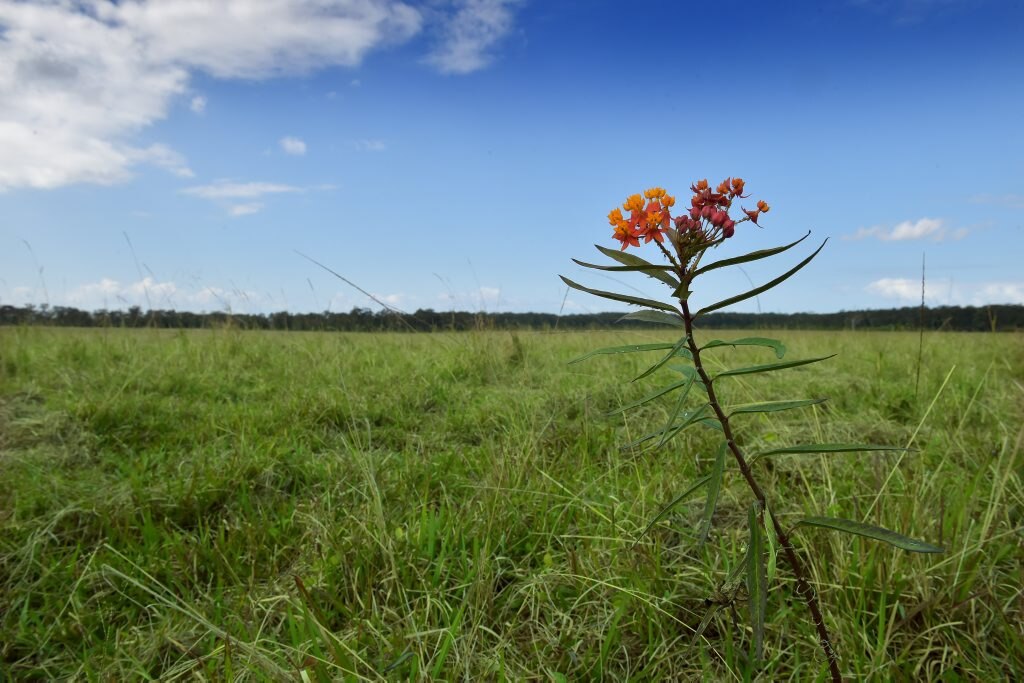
x,y
626,235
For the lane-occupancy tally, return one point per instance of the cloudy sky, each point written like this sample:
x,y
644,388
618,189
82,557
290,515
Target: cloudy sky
x,y
458,153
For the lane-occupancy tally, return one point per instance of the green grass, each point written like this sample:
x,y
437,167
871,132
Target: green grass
x,y
229,504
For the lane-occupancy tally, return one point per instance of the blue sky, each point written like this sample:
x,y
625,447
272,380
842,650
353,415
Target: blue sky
x,y
458,153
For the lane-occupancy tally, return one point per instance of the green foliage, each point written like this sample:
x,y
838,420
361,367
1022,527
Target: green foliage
x,y
689,246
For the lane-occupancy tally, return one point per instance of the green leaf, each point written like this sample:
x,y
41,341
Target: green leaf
x,y
675,501
773,406
691,418
708,616
773,549
692,375
757,290
757,583
803,449
779,347
770,367
625,298
876,532
653,270
631,348
714,488
746,258
659,317
678,349
657,394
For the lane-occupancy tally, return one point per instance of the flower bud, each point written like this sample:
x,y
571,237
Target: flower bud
x,y
707,212
728,229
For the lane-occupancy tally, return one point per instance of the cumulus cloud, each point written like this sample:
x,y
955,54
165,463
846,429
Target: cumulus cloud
x,y
934,229
79,79
470,34
907,290
292,145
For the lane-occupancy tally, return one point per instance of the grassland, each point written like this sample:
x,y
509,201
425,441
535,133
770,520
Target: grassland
x,y
246,505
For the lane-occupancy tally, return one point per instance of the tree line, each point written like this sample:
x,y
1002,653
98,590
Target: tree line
x,y
959,318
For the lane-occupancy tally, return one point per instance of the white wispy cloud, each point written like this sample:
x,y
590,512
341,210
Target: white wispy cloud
x,y
198,104
79,79
226,189
908,290
470,34
245,209
934,229
292,145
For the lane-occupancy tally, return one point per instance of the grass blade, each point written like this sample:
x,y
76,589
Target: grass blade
x,y
714,488
876,532
757,583
757,290
657,394
624,298
810,448
770,367
671,504
752,256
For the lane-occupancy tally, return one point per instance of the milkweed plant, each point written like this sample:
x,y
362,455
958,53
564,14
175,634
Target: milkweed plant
x,y
685,241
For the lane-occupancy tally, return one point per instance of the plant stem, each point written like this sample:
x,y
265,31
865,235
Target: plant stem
x,y
803,587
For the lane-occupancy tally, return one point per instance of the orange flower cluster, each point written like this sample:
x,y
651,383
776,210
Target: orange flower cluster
x,y
647,221
708,214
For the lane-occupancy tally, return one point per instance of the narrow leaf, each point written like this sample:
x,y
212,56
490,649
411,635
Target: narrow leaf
x,y
631,348
655,270
678,349
657,394
779,347
803,449
714,488
757,290
659,317
773,406
749,370
625,298
746,258
691,418
757,582
692,374
705,622
675,501
773,549
876,532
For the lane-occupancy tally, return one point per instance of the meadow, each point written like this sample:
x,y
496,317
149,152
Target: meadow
x,y
230,504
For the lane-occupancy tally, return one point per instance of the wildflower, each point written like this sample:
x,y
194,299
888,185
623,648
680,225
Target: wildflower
x,y
737,187
724,186
700,186
655,193
615,217
763,207
626,235
668,201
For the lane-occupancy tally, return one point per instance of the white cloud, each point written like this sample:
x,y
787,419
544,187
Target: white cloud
x,y
469,36
225,189
370,145
245,209
292,145
198,104
939,293
79,79
924,228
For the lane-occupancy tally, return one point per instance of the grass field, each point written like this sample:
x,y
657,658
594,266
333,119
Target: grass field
x,y
245,505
